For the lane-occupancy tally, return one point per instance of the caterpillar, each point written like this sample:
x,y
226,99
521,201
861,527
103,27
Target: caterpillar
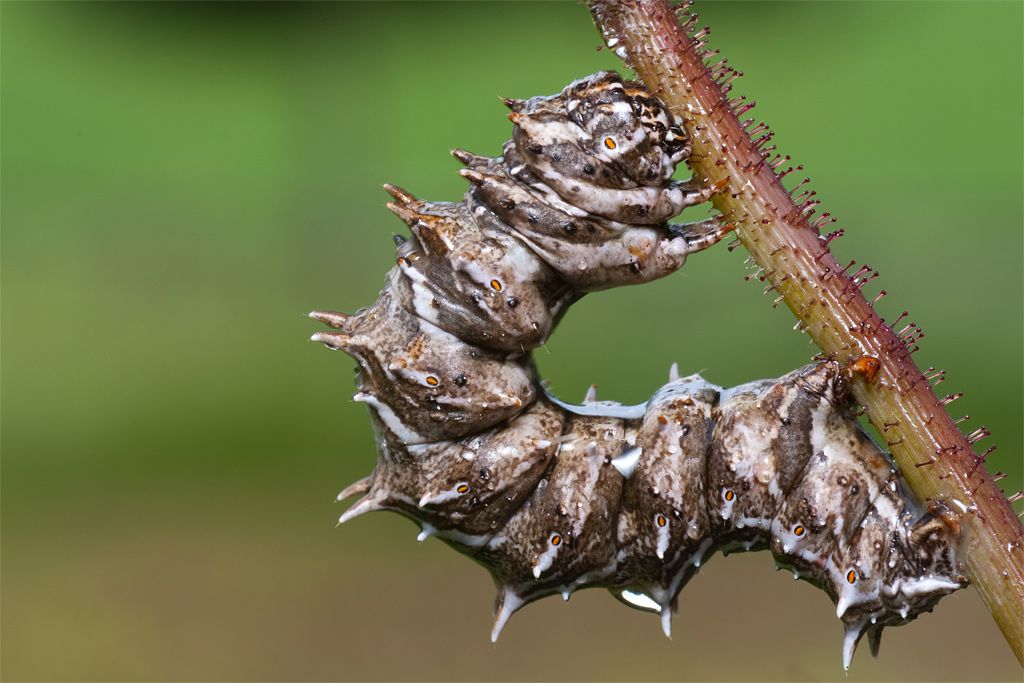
x,y
553,497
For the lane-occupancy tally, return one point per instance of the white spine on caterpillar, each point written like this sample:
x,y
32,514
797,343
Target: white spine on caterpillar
x,y
553,497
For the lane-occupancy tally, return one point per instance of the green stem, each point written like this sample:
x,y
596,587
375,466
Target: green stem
x,y
936,458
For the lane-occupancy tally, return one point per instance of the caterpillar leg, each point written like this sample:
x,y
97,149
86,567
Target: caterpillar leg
x,y
694,194
702,234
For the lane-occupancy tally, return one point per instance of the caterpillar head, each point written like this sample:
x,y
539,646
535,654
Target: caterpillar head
x,y
605,146
627,126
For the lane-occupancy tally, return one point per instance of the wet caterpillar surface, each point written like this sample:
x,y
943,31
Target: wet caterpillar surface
x,y
554,497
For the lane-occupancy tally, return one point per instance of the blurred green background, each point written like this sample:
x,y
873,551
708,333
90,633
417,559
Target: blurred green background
x,y
181,182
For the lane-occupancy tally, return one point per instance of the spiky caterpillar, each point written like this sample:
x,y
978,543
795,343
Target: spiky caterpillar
x,y
553,497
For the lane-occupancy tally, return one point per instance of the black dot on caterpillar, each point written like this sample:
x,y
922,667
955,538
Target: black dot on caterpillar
x,y
567,492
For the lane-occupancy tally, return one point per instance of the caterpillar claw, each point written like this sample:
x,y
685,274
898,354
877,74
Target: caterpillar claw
x,y
470,159
474,176
875,640
514,104
333,318
332,340
355,489
703,234
403,211
361,507
666,622
854,632
841,606
399,194
507,605
627,462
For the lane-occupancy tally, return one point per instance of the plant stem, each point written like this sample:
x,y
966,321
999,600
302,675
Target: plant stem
x,y
936,459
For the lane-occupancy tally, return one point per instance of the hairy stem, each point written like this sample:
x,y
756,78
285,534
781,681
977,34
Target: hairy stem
x,y
937,460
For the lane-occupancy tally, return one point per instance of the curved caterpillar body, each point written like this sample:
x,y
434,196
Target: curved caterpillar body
x,y
553,497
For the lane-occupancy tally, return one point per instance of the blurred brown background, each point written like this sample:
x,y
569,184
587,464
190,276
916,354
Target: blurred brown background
x,y
182,182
